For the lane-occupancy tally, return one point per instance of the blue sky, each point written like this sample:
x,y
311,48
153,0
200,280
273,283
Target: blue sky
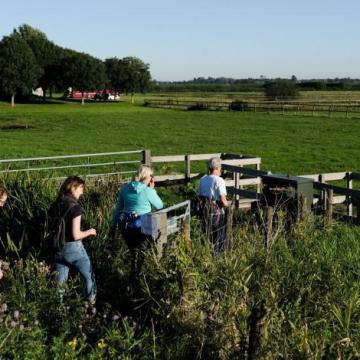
x,y
186,39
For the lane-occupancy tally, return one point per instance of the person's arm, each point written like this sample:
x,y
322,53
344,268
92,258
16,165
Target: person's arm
x,y
154,198
77,233
222,190
223,200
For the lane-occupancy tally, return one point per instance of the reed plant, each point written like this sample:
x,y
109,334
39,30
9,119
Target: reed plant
x,y
297,299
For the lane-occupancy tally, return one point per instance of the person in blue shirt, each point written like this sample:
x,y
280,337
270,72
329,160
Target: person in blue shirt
x,y
136,198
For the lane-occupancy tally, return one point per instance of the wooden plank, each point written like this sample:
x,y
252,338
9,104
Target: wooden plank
x,y
246,203
243,182
334,176
355,176
245,193
170,158
242,162
355,194
247,171
338,199
315,177
203,156
159,178
251,181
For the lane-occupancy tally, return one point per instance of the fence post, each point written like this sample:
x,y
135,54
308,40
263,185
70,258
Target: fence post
x,y
187,167
349,184
146,160
358,211
236,186
329,204
322,198
258,186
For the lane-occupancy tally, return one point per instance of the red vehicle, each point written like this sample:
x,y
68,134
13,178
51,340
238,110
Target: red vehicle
x,y
99,95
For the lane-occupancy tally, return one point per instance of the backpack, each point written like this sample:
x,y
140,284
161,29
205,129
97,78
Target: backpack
x,y
56,236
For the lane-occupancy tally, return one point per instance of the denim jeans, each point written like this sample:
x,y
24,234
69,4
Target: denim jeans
x,y
73,254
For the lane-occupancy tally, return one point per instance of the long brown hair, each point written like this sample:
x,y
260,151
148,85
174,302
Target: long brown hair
x,y
2,191
68,184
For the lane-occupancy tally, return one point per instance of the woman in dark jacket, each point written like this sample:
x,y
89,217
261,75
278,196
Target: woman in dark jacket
x,y
72,253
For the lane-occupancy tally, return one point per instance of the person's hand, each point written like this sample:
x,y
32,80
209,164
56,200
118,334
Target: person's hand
x,y
92,232
152,182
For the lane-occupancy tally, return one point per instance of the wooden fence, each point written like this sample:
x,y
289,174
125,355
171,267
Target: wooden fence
x,y
347,108
347,196
324,193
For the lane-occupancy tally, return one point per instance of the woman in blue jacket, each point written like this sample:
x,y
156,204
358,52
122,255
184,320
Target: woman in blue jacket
x,y
136,198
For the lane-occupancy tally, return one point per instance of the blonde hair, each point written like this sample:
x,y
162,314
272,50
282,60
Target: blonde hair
x,y
143,173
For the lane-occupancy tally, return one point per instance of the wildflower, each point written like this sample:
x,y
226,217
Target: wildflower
x,y
22,327
4,307
36,322
13,323
101,344
16,314
73,343
116,317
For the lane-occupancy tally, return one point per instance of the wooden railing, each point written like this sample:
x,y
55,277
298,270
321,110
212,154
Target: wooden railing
x,y
327,108
188,159
345,195
325,198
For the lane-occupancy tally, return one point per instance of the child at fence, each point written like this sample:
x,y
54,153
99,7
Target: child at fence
x,y
3,198
135,199
212,202
66,237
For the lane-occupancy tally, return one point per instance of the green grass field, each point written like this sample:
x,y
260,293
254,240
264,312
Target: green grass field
x,y
286,143
296,298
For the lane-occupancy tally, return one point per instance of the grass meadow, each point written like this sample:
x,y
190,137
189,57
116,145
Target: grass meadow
x,y
292,144
297,298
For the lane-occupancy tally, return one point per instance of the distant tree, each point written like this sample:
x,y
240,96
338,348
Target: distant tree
x,y
281,90
129,74
47,55
82,71
19,71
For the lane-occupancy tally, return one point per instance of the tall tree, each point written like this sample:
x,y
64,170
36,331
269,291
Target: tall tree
x,y
83,72
129,74
47,55
281,90
19,72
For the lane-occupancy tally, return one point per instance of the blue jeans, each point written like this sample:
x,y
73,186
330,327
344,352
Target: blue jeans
x,y
73,254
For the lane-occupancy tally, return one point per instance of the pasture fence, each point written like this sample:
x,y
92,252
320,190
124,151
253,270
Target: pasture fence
x,y
246,184
322,198
347,108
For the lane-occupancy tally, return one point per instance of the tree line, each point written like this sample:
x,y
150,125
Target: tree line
x,y
28,60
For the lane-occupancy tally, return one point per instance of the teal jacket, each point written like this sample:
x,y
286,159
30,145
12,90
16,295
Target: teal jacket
x,y
136,197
